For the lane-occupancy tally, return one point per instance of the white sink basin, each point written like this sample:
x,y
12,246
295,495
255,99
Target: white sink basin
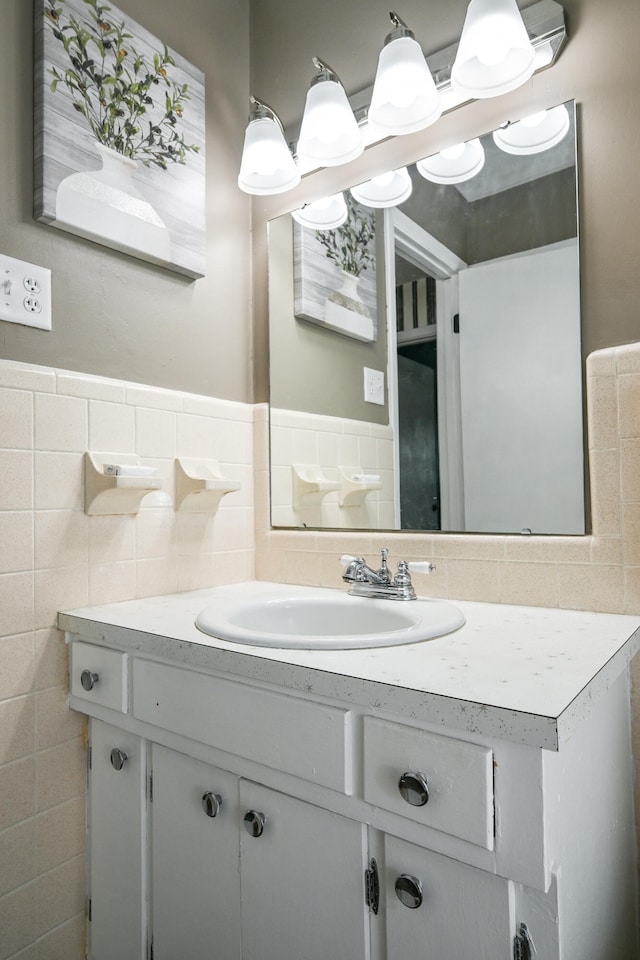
x,y
318,619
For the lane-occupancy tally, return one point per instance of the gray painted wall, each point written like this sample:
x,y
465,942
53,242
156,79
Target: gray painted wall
x,y
114,315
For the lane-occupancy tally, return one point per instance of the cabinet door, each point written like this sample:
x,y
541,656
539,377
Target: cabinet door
x,y
464,912
302,881
195,851
117,870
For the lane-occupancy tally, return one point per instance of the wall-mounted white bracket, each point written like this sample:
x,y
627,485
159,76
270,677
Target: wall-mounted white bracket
x,y
201,485
310,484
116,484
355,484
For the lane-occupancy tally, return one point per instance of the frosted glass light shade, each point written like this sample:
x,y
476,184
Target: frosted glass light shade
x,y
495,54
387,190
405,98
324,214
329,134
267,165
453,165
534,134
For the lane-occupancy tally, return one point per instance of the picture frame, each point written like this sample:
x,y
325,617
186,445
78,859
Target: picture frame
x,y
119,135
334,275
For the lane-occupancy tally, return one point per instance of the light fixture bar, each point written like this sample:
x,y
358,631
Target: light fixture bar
x,y
546,28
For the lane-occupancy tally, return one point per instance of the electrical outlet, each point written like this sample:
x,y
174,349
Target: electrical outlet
x,y
373,386
25,293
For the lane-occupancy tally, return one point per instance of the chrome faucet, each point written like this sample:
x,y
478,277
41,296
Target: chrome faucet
x,y
365,582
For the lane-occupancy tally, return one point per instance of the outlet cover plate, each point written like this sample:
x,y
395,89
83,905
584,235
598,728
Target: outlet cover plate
x,y
373,386
25,293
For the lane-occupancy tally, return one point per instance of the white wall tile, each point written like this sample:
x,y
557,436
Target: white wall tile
x,y
112,428
16,479
16,603
112,582
59,588
16,537
60,423
61,538
17,665
194,437
59,481
16,419
90,388
155,433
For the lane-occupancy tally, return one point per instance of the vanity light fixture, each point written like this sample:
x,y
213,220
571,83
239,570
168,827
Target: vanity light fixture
x,y
386,190
327,213
500,48
454,164
495,54
267,165
404,98
329,134
534,134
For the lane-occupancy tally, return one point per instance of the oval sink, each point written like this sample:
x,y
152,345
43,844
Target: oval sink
x,y
320,619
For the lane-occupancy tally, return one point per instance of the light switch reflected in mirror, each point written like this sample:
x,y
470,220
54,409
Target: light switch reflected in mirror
x,y
465,300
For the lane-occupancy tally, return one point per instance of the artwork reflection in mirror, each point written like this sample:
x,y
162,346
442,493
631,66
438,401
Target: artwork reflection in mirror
x,y
463,412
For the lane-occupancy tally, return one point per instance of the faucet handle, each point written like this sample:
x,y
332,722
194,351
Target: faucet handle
x,y
346,559
421,566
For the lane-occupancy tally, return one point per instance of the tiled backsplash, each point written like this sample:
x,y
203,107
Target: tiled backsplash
x,y
330,443
53,556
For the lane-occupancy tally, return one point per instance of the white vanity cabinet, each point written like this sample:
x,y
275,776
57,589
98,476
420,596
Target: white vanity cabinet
x,y
116,854
195,877
232,859
252,806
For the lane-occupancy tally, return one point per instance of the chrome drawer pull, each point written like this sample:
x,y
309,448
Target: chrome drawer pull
x,y
88,679
118,758
414,789
254,822
409,891
211,803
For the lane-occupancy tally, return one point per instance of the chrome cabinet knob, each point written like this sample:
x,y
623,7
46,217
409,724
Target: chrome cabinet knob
x,y
254,822
409,891
414,789
211,803
88,679
118,758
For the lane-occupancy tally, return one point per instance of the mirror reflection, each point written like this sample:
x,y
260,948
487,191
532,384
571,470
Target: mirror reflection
x,y
425,360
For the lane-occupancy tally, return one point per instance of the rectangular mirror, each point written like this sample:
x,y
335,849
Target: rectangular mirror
x,y
425,362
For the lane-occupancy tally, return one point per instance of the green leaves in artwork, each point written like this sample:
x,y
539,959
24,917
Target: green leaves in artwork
x,y
114,86
350,246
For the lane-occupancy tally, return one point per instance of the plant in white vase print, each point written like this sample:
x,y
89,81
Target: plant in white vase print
x,y
350,248
133,108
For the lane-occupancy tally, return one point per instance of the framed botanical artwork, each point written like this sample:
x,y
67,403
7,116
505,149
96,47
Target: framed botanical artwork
x,y
119,135
334,274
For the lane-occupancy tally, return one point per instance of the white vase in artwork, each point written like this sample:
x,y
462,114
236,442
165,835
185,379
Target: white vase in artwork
x,y
106,205
345,311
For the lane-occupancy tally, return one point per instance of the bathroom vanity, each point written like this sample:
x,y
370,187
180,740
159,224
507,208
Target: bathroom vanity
x,y
466,796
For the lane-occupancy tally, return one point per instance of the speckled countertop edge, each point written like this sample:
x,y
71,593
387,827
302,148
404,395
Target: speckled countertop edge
x,y
524,674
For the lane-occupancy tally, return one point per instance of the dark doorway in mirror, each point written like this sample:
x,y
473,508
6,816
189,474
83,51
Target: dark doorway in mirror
x,y
418,436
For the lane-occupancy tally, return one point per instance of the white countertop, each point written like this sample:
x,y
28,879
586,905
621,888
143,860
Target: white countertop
x,y
520,673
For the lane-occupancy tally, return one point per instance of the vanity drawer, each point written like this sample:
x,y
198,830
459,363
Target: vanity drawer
x,y
298,737
459,779
99,675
